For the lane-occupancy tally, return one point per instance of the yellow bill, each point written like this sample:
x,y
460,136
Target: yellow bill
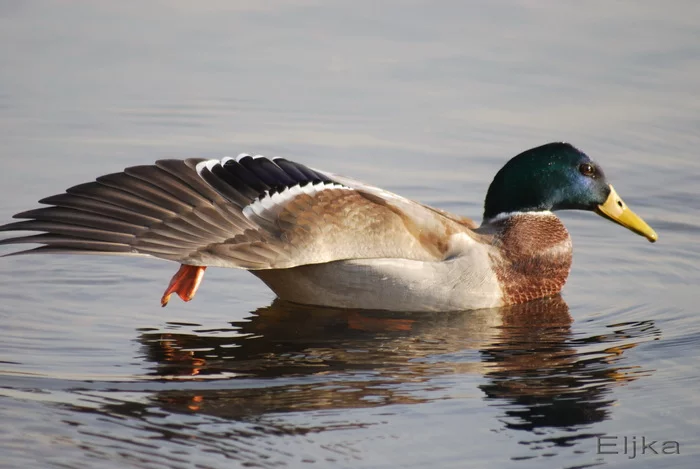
x,y
616,210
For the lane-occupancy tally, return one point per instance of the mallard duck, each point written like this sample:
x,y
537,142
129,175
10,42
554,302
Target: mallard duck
x,y
319,238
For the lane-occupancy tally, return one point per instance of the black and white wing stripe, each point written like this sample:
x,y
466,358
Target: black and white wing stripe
x,y
246,212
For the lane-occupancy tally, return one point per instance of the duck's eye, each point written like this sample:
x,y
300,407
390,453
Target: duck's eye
x,y
587,169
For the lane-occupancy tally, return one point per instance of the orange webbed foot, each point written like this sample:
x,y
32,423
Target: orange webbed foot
x,y
185,283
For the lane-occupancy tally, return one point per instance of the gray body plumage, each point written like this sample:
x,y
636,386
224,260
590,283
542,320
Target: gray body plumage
x,y
313,237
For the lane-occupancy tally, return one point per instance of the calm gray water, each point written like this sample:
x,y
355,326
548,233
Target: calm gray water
x,y
428,100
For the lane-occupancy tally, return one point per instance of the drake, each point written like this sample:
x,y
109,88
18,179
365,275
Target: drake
x,y
318,238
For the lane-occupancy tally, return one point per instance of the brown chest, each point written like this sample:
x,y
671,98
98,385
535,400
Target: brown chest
x,y
534,256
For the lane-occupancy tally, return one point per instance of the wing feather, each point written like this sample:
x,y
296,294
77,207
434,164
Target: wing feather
x,y
81,218
249,212
94,205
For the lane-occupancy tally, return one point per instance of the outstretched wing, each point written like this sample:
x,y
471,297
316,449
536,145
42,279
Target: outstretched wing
x,y
247,212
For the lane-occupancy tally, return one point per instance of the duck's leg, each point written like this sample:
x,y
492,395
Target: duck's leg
x,y
185,283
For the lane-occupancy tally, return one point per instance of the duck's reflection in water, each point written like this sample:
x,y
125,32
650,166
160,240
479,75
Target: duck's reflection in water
x,y
536,369
229,392
544,378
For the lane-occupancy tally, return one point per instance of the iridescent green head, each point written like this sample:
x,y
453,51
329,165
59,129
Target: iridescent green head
x,y
558,176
